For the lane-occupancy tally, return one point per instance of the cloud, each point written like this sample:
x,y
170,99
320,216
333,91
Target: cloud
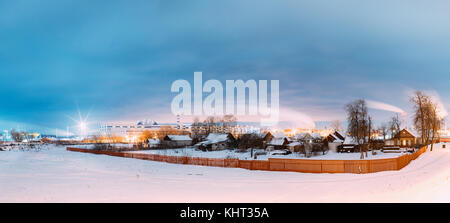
x,y
121,55
384,106
441,109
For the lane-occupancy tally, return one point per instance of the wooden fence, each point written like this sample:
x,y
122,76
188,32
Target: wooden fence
x,y
275,164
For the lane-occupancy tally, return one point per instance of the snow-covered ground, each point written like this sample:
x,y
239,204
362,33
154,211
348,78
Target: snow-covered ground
x,y
57,175
233,154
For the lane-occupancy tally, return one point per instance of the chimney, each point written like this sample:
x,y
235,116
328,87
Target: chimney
x,y
404,120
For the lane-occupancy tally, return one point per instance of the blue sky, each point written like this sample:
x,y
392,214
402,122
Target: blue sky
x,y
116,60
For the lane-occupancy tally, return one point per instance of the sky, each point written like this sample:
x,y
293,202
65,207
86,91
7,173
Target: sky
x,y
116,60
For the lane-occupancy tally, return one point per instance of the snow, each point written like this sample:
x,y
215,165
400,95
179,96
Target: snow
x,y
56,175
179,137
278,134
276,142
294,144
153,141
214,138
349,141
234,154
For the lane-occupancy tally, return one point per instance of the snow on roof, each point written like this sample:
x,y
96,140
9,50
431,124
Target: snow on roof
x,y
337,139
339,133
179,137
295,144
276,142
217,137
349,141
153,141
214,138
278,134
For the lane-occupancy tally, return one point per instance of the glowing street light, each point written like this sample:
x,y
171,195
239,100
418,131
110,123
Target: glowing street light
x,y
83,128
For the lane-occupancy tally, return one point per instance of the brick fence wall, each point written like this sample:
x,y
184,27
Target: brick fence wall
x,y
275,164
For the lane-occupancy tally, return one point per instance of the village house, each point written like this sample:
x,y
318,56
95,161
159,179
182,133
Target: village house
x,y
153,143
277,144
334,140
308,137
294,146
276,141
177,141
404,139
271,135
349,145
216,141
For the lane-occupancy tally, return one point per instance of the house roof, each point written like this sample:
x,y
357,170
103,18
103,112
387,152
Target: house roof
x,y
295,144
277,142
405,133
179,137
339,135
278,134
350,141
214,138
153,141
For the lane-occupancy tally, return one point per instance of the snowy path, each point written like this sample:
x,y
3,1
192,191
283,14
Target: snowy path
x,y
57,175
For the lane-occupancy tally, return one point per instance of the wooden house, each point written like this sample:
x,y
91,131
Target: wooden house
x,y
216,141
404,139
334,140
177,141
277,144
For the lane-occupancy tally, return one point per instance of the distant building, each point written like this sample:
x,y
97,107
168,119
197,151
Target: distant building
x,y
203,129
132,129
5,136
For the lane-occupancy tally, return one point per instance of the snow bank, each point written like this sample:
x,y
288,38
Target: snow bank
x,y
57,175
192,152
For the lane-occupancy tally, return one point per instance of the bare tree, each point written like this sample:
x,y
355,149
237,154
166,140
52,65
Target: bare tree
x,y
336,125
426,117
359,123
383,130
420,102
17,136
394,126
251,141
436,123
210,123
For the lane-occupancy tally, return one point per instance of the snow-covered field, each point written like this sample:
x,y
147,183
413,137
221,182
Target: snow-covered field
x,y
233,154
56,175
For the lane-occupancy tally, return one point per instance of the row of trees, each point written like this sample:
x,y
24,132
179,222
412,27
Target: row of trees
x,y
426,118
